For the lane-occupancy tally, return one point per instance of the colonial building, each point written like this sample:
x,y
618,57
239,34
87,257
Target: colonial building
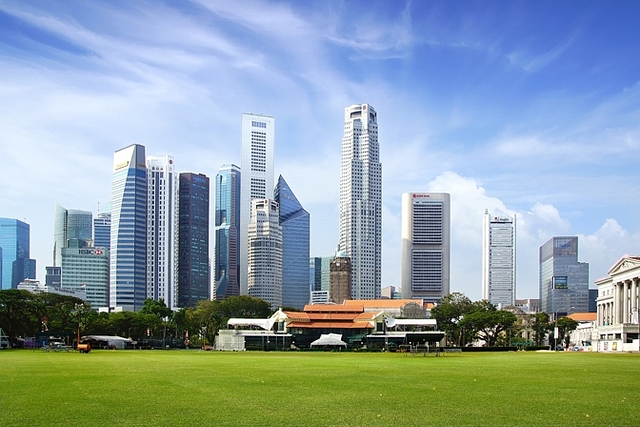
x,y
617,304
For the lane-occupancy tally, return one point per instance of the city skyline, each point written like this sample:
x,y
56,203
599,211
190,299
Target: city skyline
x,y
526,109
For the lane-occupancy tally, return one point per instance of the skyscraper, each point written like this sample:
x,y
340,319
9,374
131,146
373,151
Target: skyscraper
x,y
265,253
425,245
564,282
499,259
86,269
361,200
70,224
15,264
258,133
102,230
295,224
320,267
128,272
227,232
193,239
162,230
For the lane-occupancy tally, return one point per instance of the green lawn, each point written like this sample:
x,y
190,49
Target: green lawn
x,y
304,389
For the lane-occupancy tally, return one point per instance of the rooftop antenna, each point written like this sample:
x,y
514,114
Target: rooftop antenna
x,y
98,206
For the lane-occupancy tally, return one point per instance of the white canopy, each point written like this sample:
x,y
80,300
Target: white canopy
x,y
329,339
265,324
391,322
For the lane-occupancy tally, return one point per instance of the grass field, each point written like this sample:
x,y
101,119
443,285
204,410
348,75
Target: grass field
x,y
305,389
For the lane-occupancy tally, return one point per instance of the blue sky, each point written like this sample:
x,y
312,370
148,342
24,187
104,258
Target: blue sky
x,y
525,108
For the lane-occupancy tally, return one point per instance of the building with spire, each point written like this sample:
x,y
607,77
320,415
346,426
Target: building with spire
x,y
265,253
361,200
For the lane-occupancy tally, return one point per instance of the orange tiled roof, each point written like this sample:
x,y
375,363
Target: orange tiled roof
x,y
333,308
331,325
381,303
583,317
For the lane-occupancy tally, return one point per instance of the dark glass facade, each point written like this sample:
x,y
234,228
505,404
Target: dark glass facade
x,y
295,223
227,232
564,282
193,239
14,244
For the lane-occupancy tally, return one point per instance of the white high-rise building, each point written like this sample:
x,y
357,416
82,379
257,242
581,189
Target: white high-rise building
x,y
499,259
258,133
361,200
162,230
426,245
264,278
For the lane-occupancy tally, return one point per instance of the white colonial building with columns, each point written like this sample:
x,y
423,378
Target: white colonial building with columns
x,y
617,326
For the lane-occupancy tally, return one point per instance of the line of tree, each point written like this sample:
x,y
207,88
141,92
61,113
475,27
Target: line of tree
x,y
465,322
24,314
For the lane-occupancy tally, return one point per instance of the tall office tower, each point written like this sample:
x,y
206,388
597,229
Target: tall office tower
x,y
128,257
320,268
361,200
264,260
295,224
70,224
227,233
425,245
86,269
499,259
258,133
14,248
193,239
564,282
162,230
340,279
102,230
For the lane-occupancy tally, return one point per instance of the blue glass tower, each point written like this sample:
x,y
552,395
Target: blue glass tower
x,y
227,232
128,274
14,249
193,239
295,222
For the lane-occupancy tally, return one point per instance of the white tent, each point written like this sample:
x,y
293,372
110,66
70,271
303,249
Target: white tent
x,y
329,340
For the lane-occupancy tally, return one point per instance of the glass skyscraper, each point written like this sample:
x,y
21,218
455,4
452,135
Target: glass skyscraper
x,y
227,232
193,239
14,250
128,273
70,224
294,221
564,282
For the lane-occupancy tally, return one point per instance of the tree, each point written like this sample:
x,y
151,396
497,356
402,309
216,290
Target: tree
x,y
19,313
487,323
448,314
565,326
157,308
541,327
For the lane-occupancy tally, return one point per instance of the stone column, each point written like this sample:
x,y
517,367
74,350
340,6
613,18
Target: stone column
x,y
617,304
625,302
